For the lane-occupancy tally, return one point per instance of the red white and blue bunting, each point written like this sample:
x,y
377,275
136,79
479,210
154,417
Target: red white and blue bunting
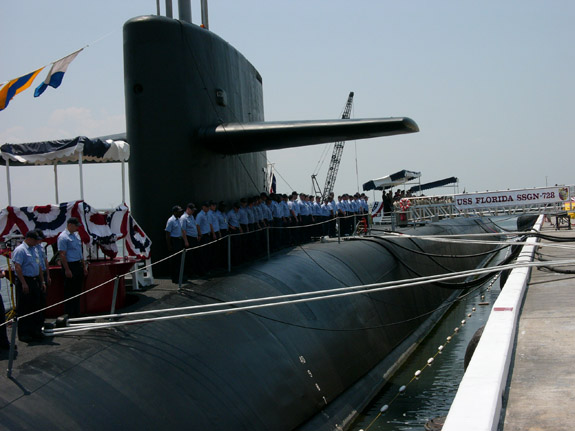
x,y
101,229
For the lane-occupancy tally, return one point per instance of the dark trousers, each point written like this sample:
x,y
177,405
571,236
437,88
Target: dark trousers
x,y
191,265
236,243
206,254
26,303
276,234
223,249
177,245
306,220
3,334
73,287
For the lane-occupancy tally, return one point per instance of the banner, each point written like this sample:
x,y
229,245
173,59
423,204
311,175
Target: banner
x,y
97,228
540,196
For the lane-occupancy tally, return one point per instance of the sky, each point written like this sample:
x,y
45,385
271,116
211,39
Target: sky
x,y
489,84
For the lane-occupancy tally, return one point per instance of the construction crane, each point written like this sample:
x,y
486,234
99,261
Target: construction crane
x,y
335,159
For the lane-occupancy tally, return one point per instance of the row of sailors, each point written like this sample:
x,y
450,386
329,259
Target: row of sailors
x,y
188,229
252,212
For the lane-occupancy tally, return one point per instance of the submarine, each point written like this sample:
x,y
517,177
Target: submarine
x,y
195,123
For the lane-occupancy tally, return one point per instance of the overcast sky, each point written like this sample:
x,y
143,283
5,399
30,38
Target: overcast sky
x,y
489,84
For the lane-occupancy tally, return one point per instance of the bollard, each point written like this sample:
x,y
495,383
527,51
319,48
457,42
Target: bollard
x,y
339,231
12,347
182,262
116,284
230,252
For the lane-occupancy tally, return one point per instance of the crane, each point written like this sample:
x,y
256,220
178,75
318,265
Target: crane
x,y
335,159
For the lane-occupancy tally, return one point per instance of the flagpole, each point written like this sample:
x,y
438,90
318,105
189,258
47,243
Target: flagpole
x,y
56,182
123,182
80,157
8,182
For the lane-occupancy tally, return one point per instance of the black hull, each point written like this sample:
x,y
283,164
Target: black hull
x,y
271,369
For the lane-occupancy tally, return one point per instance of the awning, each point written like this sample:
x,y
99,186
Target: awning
x,y
66,151
80,150
392,180
434,184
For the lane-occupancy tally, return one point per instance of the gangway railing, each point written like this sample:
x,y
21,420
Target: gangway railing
x,y
427,210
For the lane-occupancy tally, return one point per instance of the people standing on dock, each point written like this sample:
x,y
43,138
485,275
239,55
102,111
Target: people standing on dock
x,y
174,240
30,287
73,266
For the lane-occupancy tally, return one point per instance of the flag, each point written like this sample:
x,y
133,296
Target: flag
x,y
273,185
15,86
56,74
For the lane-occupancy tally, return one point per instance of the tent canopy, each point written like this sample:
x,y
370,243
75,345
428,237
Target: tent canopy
x,y
434,184
392,180
106,149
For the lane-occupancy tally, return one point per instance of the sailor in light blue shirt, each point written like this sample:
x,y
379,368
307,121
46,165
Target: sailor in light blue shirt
x,y
303,207
234,219
243,214
203,221
26,256
30,287
72,245
276,211
267,211
250,213
42,257
259,215
285,208
222,219
173,226
214,219
189,226
294,208
364,203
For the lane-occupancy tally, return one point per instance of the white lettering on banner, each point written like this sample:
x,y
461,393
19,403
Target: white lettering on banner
x,y
546,195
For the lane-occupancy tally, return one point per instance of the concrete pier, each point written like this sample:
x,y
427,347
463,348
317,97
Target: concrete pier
x,y
522,374
541,394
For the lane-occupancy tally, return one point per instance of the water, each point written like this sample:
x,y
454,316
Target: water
x,y
431,395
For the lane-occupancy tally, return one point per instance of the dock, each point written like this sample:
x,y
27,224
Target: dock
x,y
541,392
522,374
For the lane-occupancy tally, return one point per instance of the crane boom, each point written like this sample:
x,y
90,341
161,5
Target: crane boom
x,y
336,155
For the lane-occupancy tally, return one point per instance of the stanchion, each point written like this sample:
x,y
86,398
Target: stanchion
x,y
12,347
116,283
182,263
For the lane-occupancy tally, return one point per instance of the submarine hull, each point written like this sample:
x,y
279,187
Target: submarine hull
x,y
274,368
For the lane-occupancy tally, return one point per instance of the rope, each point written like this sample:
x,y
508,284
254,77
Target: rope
x,y
445,238
326,294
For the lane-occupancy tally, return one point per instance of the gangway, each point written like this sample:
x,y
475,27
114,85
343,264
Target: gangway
x,y
425,209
